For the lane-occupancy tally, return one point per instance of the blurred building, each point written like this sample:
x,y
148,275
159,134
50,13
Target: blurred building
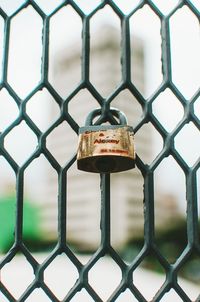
x,y
83,189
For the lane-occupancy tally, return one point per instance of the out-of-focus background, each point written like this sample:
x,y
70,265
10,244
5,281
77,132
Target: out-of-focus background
x,y
83,196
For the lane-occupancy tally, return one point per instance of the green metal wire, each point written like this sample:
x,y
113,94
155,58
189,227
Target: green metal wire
x,y
105,248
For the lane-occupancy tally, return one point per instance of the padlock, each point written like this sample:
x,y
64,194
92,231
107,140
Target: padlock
x,y
106,148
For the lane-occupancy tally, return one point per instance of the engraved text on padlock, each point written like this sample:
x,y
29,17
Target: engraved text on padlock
x,y
106,148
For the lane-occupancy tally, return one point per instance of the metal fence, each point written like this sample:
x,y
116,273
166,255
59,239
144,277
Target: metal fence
x,y
150,247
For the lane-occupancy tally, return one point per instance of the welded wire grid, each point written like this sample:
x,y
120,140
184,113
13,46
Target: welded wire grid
x,y
105,248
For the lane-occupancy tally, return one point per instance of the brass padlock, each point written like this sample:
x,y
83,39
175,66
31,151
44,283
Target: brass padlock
x,y
106,148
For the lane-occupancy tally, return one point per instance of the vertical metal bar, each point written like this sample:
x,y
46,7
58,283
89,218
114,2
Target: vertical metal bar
x,y
149,224
62,209
19,207
166,50
105,210
45,52
125,50
192,208
6,50
86,50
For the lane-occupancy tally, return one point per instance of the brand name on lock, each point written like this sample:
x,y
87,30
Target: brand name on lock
x,y
118,142
104,141
106,148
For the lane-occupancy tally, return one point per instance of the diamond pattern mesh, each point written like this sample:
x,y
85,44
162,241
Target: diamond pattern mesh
x,y
83,272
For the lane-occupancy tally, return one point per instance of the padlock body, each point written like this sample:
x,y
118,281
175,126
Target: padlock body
x,y
106,149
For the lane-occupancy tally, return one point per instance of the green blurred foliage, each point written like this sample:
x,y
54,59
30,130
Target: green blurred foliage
x,y
31,228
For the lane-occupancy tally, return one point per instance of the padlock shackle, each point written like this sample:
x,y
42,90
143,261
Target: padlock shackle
x,y
97,112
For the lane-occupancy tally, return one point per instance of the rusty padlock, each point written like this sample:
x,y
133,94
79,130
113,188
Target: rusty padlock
x,y
106,148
